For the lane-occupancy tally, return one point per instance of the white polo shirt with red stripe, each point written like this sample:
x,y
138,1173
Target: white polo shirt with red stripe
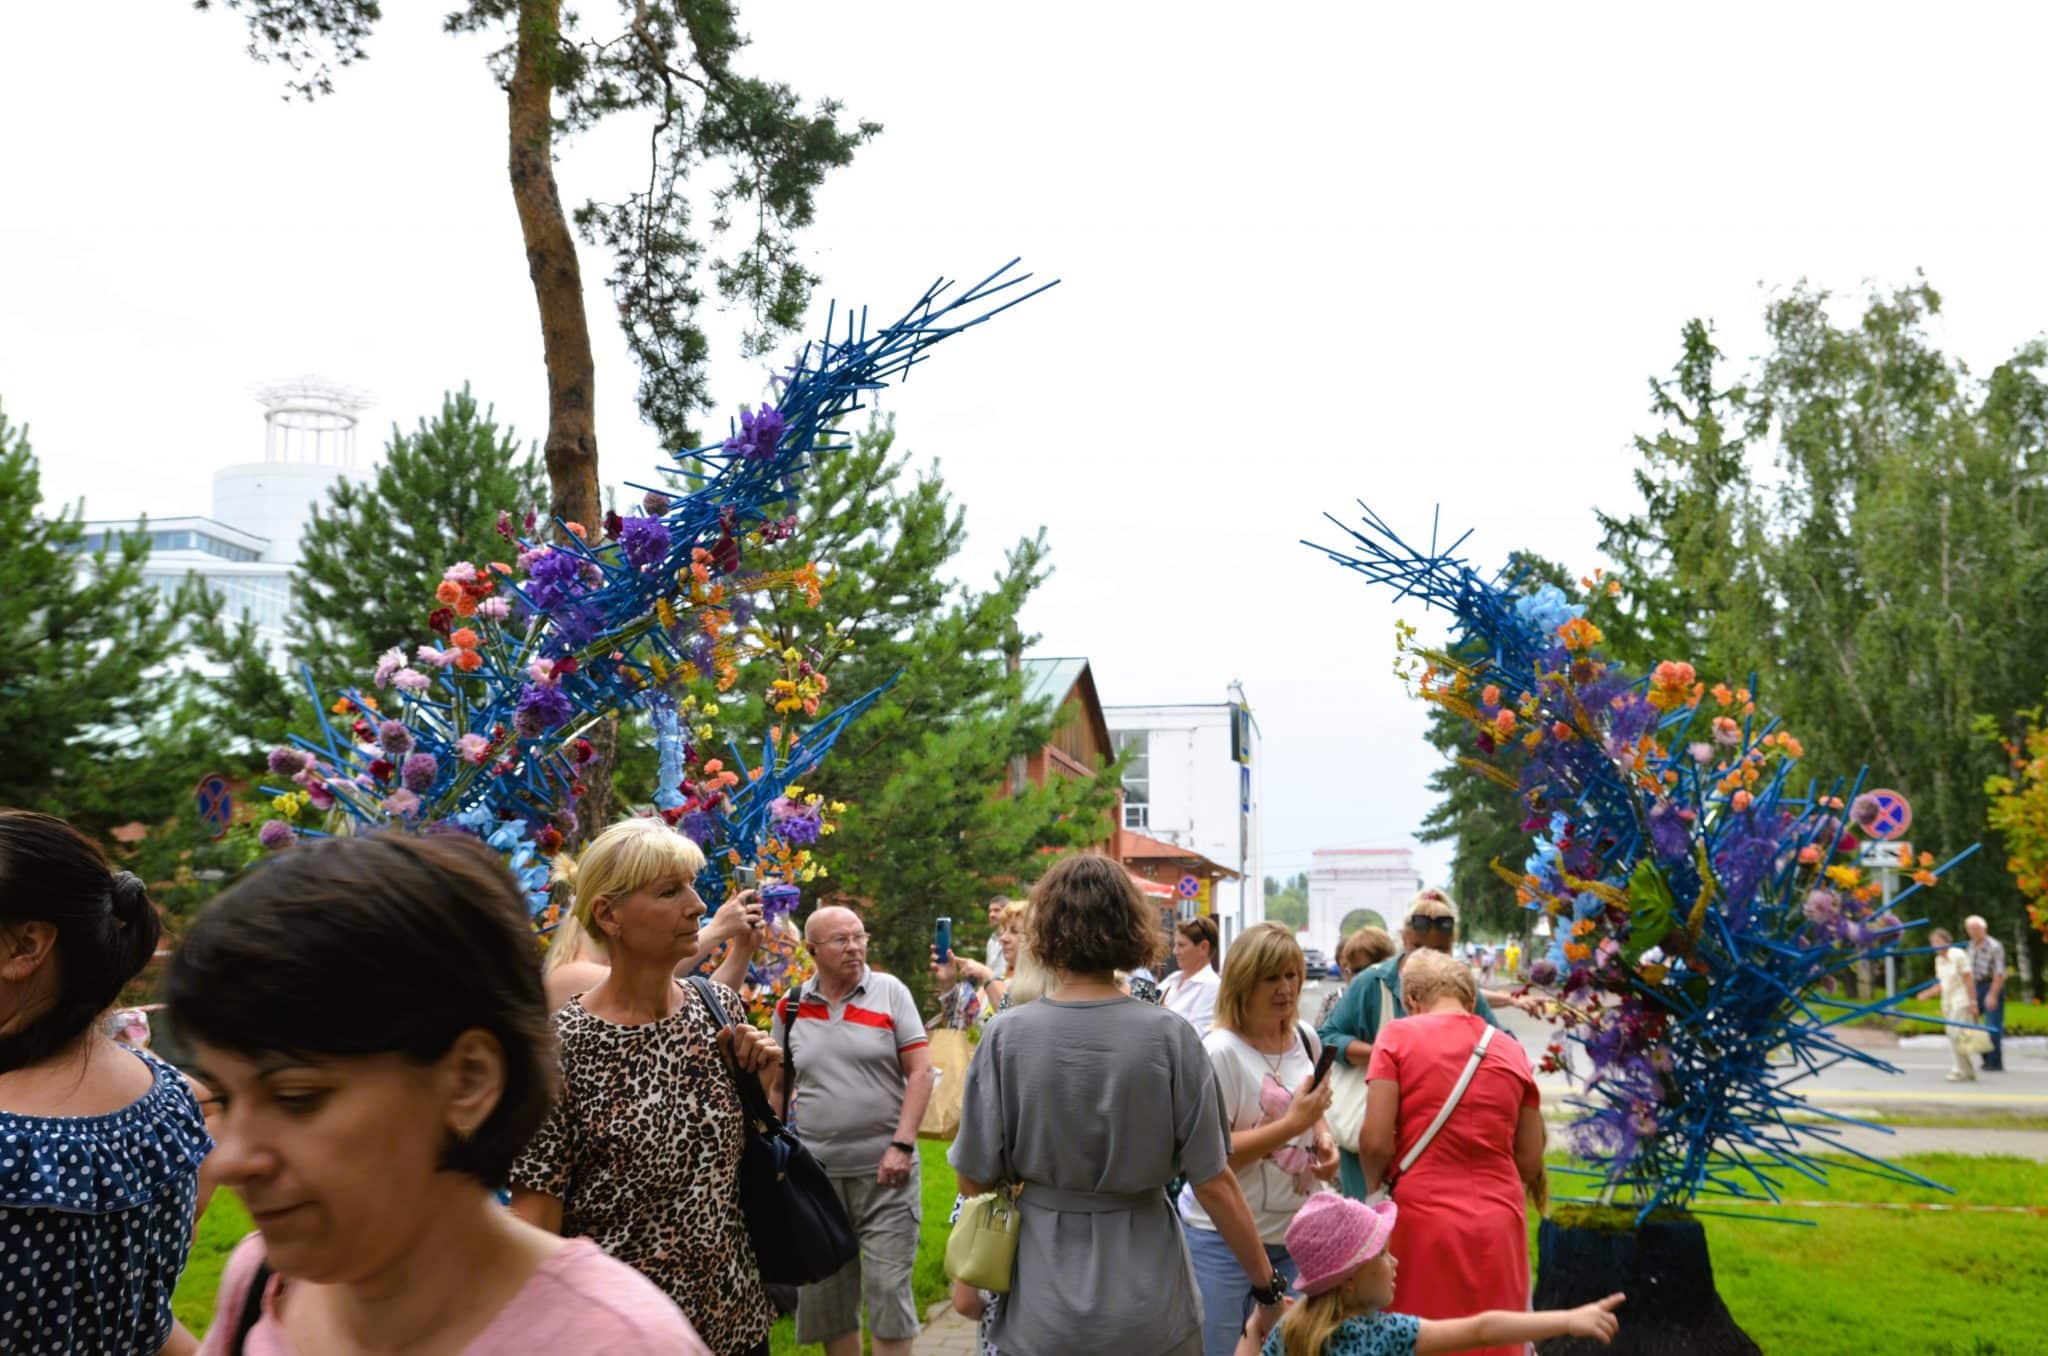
x,y
849,1068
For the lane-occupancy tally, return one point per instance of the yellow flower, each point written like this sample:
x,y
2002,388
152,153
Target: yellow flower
x,y
1844,876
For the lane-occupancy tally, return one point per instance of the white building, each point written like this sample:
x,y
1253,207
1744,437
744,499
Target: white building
x,y
1191,778
248,547
1351,888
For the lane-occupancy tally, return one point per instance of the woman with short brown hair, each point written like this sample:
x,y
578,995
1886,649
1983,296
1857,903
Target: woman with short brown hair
x,y
1191,990
1092,1102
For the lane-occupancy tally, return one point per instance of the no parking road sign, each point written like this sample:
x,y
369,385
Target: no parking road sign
x,y
1894,815
216,806
1188,887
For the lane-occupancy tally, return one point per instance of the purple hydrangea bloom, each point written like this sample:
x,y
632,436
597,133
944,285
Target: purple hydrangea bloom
x,y
286,762
554,578
759,433
799,830
699,827
419,771
542,707
394,738
645,541
1669,833
275,834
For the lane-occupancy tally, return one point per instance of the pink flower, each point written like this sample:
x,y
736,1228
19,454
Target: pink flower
x,y
473,748
403,803
541,670
412,680
388,665
495,608
276,834
439,658
319,796
462,572
1701,753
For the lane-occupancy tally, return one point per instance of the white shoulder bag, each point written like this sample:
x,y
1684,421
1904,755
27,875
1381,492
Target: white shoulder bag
x,y
1346,1116
1385,1189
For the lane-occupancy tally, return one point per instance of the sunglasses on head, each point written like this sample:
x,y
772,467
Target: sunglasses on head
x,y
1423,923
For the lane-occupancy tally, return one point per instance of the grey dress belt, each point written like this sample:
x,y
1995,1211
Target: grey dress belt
x,y
1087,1202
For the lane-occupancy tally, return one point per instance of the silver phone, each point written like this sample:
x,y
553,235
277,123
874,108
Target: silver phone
x,y
743,877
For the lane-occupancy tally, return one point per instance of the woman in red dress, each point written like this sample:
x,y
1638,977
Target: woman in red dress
x,y
1462,1235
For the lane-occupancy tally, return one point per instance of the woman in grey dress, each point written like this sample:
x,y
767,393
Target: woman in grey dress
x,y
1093,1102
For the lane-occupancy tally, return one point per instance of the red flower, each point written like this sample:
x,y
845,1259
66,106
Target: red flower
x,y
548,840
612,524
441,620
382,769
583,751
565,665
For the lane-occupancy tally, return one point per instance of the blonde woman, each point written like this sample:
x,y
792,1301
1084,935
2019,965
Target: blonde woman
x,y
1952,984
576,961
1264,1057
1462,1233
641,1152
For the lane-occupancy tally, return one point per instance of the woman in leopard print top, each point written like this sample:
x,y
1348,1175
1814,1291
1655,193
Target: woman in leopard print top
x,y
642,1150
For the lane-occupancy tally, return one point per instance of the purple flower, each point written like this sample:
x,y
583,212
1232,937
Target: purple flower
x,y
388,664
1543,972
402,803
276,834
759,433
645,541
418,772
655,502
699,827
1863,810
1824,907
286,762
542,707
799,830
1669,833
394,738
411,680
553,578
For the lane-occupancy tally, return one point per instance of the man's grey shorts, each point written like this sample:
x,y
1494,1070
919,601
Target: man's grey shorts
x,y
886,1219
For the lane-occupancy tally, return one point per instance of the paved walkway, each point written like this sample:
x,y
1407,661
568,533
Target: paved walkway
x,y
947,1334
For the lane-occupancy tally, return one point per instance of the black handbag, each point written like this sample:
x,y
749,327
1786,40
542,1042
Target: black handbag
x,y
798,1227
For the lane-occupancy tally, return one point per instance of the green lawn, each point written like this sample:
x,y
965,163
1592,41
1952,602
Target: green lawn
x,y
1859,1283
2021,1019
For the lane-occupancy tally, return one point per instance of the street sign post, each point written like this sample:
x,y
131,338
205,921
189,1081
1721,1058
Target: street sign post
x,y
216,806
1887,859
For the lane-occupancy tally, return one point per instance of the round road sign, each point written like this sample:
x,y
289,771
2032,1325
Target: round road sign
x,y
1188,887
1894,814
216,807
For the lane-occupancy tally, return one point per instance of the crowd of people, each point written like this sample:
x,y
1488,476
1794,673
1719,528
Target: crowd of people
x,y
447,1146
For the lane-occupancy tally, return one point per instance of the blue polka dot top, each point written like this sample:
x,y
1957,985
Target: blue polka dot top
x,y
96,1221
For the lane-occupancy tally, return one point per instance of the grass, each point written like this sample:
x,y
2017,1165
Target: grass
x,y
1858,1283
2021,1019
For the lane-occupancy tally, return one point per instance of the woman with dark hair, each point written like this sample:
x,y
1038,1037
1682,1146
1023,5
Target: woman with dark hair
x,y
1091,1102
1191,989
99,1145
369,1012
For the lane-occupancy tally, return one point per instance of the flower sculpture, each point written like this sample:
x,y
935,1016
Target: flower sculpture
x,y
1703,906
483,732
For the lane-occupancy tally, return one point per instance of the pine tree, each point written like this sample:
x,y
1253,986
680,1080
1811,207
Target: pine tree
x,y
77,649
929,831
372,556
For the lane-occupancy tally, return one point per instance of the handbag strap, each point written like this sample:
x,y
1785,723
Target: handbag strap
x,y
753,1101
252,1308
1450,1103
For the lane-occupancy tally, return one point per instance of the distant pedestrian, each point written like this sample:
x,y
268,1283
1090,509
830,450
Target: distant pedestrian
x,y
1191,989
1955,987
370,1112
1360,950
863,1077
1987,967
995,954
1091,1103
100,1145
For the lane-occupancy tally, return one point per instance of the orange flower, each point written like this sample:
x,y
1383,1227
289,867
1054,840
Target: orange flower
x,y
1723,695
1614,588
1490,694
465,606
465,638
1810,854
1577,951
1560,731
1927,878
576,530
1740,800
1927,859
469,661
448,591
1671,684
1579,634
1504,721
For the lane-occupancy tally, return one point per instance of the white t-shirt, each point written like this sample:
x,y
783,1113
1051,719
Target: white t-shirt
x,y
1241,1070
1193,996
1952,968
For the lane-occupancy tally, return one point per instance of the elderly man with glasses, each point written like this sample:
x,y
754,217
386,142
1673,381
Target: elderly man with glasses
x,y
1374,999
861,1074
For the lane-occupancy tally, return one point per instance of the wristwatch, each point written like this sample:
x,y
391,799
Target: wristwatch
x,y
906,1148
1270,1293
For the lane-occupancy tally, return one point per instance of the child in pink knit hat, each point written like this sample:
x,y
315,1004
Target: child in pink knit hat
x,y
1347,1279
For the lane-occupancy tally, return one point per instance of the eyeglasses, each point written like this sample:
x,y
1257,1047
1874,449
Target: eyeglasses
x,y
1423,923
843,940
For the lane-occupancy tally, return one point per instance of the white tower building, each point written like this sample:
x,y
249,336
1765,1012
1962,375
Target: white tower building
x,y
309,442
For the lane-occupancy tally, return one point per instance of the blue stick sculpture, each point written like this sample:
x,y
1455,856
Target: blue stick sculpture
x,y
1703,911
485,734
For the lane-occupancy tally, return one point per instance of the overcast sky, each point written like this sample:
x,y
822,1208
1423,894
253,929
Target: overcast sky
x,y
1419,255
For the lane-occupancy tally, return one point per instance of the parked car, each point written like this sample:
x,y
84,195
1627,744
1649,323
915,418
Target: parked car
x,y
1318,965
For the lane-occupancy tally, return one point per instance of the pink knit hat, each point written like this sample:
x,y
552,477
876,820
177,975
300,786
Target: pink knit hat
x,y
1332,1236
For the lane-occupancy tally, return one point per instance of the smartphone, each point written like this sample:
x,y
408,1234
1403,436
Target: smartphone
x,y
1323,1063
743,877
943,940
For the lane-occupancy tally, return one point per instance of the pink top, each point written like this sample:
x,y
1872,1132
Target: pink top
x,y
579,1303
